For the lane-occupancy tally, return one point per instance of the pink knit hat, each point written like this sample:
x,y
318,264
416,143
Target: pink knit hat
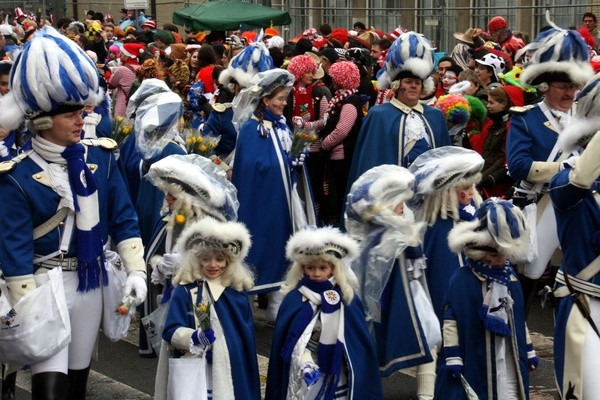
x,y
300,65
345,74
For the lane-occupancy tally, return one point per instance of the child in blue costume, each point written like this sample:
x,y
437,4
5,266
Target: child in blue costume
x,y
321,347
486,341
391,272
194,188
445,194
210,314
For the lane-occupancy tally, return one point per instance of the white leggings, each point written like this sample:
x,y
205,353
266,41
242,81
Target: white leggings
x,y
85,312
591,349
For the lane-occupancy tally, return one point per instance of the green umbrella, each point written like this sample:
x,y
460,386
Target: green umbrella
x,y
223,15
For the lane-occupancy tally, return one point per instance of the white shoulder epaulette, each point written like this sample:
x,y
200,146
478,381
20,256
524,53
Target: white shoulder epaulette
x,y
521,109
9,165
102,142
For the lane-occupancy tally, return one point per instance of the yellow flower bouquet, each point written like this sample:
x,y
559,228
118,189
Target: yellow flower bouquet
x,y
197,142
202,312
301,140
121,128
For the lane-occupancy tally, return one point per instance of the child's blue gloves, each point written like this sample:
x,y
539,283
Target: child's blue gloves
x,y
203,338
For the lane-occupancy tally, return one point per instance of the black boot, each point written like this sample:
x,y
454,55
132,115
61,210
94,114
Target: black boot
x,y
530,289
78,383
49,386
8,386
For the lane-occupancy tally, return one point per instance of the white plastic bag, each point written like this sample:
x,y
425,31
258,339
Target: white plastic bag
x,y
38,326
429,321
187,378
154,325
530,212
114,325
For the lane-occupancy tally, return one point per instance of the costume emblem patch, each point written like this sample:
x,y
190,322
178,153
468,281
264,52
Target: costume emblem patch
x,y
332,297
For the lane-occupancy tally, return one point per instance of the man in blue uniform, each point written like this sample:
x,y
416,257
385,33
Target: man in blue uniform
x,y
399,131
532,155
61,202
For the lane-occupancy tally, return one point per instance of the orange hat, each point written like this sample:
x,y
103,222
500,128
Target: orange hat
x,y
250,36
271,32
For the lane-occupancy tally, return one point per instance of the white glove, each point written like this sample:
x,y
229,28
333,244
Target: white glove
x,y
135,285
168,263
299,161
298,122
569,161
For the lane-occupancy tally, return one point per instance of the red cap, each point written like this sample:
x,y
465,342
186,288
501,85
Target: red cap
x,y
271,32
497,23
132,50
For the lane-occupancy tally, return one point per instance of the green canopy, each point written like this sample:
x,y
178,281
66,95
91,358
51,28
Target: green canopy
x,y
225,15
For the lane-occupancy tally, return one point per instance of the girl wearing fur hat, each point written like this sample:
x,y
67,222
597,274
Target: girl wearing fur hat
x,y
391,274
486,341
321,347
264,173
445,194
210,316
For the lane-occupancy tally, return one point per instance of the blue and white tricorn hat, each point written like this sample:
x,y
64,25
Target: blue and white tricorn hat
x,y
378,190
587,119
446,167
499,226
157,113
411,54
556,55
52,75
199,182
253,59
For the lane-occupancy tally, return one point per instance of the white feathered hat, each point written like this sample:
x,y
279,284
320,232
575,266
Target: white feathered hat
x,y
199,181
587,119
443,167
499,226
383,186
253,59
556,55
411,54
51,76
229,237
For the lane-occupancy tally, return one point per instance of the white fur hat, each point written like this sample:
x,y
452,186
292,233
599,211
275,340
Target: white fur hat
x,y
51,75
209,234
327,243
498,226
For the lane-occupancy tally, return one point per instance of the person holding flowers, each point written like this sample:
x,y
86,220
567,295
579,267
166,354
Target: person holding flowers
x,y
265,177
210,315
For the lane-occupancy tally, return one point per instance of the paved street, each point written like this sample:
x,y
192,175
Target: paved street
x,y
120,375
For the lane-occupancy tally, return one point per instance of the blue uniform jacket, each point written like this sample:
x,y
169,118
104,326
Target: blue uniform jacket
x,y
27,203
235,315
379,139
529,140
219,123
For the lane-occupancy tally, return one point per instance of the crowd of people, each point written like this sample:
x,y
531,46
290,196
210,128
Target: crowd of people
x,y
390,205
